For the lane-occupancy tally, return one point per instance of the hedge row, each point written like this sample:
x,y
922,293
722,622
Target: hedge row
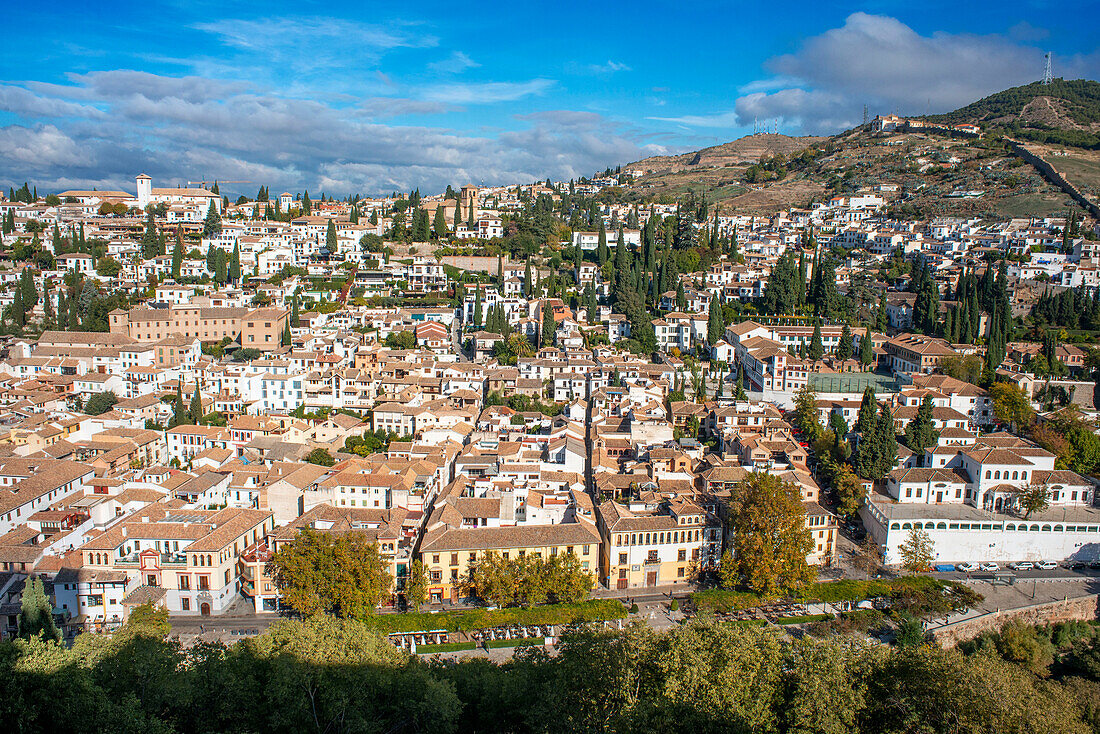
x,y
472,619
721,600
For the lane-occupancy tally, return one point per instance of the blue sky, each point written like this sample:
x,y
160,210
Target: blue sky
x,y
365,97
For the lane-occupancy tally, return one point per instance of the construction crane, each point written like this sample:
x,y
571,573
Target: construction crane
x,y
217,181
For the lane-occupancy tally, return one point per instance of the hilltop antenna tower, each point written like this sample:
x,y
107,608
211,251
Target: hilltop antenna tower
x,y
1048,75
755,125
775,127
865,115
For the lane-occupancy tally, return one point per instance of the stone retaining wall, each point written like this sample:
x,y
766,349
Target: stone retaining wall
x,y
1051,174
1078,608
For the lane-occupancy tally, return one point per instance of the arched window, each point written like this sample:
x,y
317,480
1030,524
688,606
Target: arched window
x,y
1034,528
1046,528
1010,526
988,474
997,474
941,526
1014,475
895,526
1023,475
906,526
1057,528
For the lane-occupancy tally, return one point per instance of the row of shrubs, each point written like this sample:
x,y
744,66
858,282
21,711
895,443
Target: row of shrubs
x,y
593,610
723,600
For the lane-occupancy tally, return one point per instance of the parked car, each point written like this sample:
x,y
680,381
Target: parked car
x,y
943,567
1076,565
967,567
1046,565
1095,564
1021,566
990,566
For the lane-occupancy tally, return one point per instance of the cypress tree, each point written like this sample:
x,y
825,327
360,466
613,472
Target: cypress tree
x,y
549,326
844,348
715,326
602,253
887,457
177,256
816,348
235,264
919,432
880,315
866,349
36,612
440,223
865,421
286,338
477,308
179,415
527,284
194,411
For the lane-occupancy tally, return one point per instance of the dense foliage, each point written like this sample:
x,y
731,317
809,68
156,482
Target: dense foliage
x,y
338,676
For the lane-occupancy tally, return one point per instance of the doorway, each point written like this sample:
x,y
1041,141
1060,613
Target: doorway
x,y
651,578
204,609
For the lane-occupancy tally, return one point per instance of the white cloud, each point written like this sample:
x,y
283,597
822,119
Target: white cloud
x,y
880,62
169,128
485,92
42,145
456,63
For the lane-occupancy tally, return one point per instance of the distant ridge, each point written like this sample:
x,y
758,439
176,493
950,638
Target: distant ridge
x,y
1063,105
749,149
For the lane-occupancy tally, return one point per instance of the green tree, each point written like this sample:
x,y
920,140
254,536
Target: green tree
x,y
917,551
1033,498
320,457
194,410
549,325
440,223
212,224
416,583
1011,404
177,256
716,328
477,309
341,574
919,432
101,402
330,236
770,538
866,349
235,264
36,612
816,348
287,337
844,347
850,491
108,267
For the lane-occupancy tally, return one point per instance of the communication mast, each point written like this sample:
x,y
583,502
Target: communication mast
x,y
1048,76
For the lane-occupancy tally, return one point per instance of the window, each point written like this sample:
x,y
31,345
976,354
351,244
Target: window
x,y
204,583
681,555
622,558
184,582
185,604
435,558
454,559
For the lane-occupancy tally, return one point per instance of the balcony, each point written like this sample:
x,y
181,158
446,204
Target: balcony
x,y
166,559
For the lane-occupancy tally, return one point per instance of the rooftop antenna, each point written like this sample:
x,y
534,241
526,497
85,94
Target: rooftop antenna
x,y
1048,76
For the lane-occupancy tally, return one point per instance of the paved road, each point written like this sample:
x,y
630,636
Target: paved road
x,y
1057,574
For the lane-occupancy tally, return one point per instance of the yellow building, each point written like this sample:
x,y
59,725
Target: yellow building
x,y
646,544
447,552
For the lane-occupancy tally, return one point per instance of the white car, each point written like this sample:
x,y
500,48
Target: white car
x,y
1021,566
1046,565
990,566
967,567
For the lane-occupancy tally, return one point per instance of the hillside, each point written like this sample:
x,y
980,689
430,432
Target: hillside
x,y
1063,105
749,149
